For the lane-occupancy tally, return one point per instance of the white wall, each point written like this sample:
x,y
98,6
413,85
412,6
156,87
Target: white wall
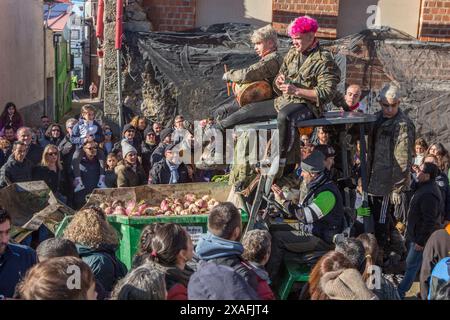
x,y
399,14
22,54
258,12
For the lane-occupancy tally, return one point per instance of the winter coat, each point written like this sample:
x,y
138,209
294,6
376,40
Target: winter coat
x,y
392,144
266,68
436,249
16,122
444,187
14,171
54,180
316,70
106,267
90,175
160,173
158,154
263,290
316,210
118,146
14,263
110,179
147,151
127,177
34,154
176,282
423,213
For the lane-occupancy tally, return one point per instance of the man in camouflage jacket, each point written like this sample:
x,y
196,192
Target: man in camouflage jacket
x,y
307,81
391,143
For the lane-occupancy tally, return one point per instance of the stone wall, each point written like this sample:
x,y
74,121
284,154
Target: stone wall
x,y
135,20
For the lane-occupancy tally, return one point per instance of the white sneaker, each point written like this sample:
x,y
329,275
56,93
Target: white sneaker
x,y
101,183
78,185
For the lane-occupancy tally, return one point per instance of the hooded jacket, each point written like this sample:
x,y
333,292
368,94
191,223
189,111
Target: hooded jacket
x,y
106,267
423,213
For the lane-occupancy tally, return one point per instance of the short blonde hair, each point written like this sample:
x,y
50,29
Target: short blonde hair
x,y
87,108
44,161
266,33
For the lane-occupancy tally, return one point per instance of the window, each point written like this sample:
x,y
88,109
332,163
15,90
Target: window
x,y
75,34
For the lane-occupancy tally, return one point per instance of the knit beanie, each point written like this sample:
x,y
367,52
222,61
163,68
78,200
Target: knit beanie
x,y
314,162
164,133
127,127
345,284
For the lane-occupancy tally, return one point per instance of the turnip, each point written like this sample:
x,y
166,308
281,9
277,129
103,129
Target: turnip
x,y
190,197
178,209
201,204
109,210
164,205
119,210
206,198
130,209
168,213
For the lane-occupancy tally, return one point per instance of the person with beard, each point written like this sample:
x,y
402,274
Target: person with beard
x,y
129,171
169,170
148,146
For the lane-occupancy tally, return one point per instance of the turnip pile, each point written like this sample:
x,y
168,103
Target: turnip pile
x,y
188,205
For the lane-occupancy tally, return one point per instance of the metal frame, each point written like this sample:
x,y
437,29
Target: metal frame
x,y
330,119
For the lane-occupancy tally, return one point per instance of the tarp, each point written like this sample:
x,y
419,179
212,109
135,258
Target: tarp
x,y
180,73
30,205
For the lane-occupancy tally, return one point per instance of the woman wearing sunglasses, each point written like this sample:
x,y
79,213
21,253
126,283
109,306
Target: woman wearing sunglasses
x,y
51,172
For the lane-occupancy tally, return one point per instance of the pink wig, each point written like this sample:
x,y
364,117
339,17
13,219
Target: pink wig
x,y
303,24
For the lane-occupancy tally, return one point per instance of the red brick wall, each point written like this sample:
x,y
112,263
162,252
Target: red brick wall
x,y
435,21
171,15
325,11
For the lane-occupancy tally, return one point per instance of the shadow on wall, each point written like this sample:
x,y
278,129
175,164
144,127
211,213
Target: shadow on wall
x,y
32,113
254,12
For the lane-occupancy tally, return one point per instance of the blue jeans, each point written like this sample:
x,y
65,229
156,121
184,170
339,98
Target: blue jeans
x,y
413,263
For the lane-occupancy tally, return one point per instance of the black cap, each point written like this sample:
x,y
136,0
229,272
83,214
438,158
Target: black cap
x,y
148,130
127,127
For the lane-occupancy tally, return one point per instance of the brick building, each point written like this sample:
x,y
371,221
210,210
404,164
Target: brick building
x,y
427,20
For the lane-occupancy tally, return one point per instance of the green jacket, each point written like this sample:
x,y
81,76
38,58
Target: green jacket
x,y
316,70
266,68
242,171
392,144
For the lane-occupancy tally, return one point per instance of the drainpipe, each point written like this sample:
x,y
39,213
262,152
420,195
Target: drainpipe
x,y
119,31
100,24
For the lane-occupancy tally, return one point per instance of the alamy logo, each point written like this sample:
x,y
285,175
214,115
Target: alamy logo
x,y
374,281
74,279
373,11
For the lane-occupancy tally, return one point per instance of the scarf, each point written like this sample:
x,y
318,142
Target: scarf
x,y
174,176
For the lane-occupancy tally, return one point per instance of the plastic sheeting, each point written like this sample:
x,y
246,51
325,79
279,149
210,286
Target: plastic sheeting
x,y
186,70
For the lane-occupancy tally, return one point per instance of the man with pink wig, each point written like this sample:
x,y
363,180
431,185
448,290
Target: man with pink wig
x,y
307,80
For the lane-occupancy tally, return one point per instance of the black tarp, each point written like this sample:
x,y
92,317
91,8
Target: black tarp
x,y
180,73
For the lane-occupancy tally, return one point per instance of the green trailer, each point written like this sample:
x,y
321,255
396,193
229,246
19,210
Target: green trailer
x,y
130,227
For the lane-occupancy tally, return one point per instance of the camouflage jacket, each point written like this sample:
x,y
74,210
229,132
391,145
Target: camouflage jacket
x,y
242,172
317,70
265,69
391,143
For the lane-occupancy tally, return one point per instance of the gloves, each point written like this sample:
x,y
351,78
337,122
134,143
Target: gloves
x,y
396,198
226,76
363,212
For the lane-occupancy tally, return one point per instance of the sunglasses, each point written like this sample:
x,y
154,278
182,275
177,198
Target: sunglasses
x,y
108,133
52,154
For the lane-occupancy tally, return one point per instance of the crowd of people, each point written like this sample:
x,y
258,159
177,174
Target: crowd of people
x,y
353,234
